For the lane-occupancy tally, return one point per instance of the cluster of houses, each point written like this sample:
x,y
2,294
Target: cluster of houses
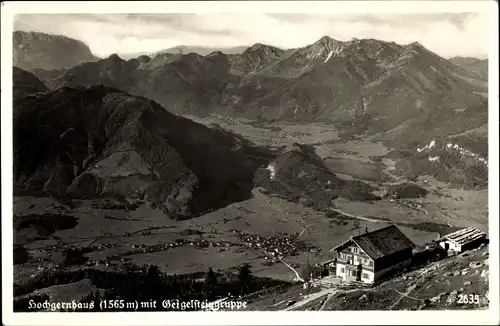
x,y
278,246
376,255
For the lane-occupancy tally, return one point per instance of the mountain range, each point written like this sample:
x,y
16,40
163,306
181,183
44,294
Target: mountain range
x,y
186,49
35,50
379,88
402,95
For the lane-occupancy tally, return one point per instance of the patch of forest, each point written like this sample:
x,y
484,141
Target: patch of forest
x,y
149,283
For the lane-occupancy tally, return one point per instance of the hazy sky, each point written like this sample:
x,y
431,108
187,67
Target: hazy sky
x,y
464,34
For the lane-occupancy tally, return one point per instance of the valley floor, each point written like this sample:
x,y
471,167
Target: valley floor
x,y
143,235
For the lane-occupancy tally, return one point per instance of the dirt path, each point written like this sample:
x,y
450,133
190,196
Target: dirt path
x,y
407,292
310,297
293,269
330,296
358,217
330,293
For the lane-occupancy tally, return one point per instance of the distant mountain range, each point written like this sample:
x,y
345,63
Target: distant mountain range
x,y
402,95
365,85
186,49
478,66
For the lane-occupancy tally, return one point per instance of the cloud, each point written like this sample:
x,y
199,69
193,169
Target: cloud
x,y
447,34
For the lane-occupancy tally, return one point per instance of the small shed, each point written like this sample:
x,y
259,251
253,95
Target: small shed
x,y
462,240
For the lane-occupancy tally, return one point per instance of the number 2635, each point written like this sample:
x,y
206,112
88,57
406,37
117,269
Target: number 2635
x,y
468,299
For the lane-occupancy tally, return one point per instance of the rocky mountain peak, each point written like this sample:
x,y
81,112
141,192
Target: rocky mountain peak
x,y
415,46
325,47
259,54
216,54
263,49
190,58
115,57
144,59
256,46
327,42
374,49
326,39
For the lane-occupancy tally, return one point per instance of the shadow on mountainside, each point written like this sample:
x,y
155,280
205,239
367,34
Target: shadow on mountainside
x,y
101,142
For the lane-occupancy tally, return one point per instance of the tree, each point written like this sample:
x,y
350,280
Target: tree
x,y
244,276
176,287
152,283
309,271
211,283
97,299
21,255
305,273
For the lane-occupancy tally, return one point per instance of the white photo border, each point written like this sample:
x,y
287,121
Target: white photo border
x,y
9,9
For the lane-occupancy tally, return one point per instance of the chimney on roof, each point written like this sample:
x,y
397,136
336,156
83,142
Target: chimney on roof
x,y
366,229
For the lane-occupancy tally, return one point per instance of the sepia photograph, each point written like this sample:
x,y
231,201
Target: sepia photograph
x,y
206,158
